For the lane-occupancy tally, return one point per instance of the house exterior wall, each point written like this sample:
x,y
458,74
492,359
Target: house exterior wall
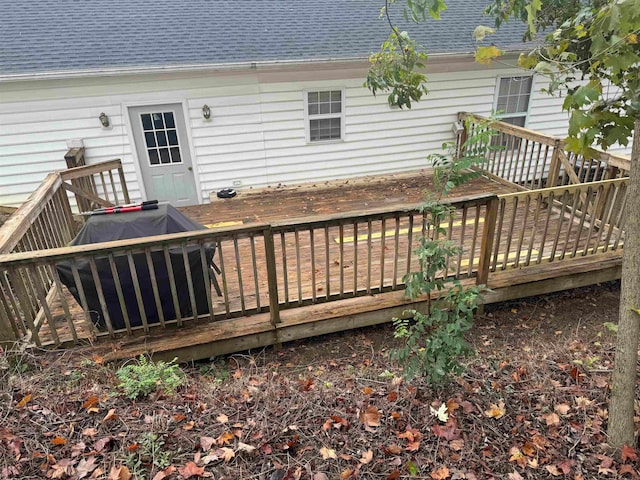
x,y
256,134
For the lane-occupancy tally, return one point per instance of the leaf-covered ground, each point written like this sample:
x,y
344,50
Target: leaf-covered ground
x,y
532,404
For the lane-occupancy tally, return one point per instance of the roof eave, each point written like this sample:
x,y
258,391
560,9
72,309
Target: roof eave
x,y
212,67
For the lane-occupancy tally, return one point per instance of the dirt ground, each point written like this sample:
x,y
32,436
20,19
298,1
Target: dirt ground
x,y
532,404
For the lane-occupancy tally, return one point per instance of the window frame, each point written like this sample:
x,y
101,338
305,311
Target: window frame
x,y
321,116
496,98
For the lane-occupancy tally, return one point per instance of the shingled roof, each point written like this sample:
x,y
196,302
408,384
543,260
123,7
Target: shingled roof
x,y
71,36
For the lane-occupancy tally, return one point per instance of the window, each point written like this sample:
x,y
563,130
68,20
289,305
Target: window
x,y
161,138
325,115
512,103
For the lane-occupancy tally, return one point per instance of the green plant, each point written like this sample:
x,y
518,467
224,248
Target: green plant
x,y
434,339
148,453
145,377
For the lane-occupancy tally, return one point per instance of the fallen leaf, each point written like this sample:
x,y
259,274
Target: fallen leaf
x,y
224,438
191,470
22,403
97,359
514,476
244,447
552,419
227,453
207,442
320,476
393,449
457,444
188,425
392,397
90,432
366,457
370,417
222,418
57,440
394,475
328,453
367,390
85,467
101,444
553,470
346,474
178,417
119,472
562,408
440,473
111,415
628,453
496,411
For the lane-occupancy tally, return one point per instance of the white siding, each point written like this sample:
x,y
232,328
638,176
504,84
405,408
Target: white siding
x,y
256,134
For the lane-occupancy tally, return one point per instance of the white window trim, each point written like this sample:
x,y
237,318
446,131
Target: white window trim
x,y
500,116
307,117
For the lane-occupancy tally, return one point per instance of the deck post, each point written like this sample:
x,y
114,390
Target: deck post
x,y
488,234
554,166
272,276
75,158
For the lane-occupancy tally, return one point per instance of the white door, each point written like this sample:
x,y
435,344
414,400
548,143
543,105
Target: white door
x,y
163,152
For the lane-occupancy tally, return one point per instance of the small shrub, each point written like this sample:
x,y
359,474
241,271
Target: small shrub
x,y
145,377
434,339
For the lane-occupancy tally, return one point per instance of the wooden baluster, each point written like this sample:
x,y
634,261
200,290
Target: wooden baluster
x,y
138,292
285,271
236,249
395,251
190,288
119,293
154,287
355,258
312,245
298,266
383,227
254,262
341,257
172,285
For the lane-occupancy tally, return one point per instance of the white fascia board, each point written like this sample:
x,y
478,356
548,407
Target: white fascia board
x,y
434,59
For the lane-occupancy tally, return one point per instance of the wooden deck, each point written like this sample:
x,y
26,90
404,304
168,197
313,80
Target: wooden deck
x,y
302,261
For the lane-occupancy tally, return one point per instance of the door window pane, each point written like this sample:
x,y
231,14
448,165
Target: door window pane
x,y
164,155
146,122
175,155
153,157
150,138
157,121
168,120
173,137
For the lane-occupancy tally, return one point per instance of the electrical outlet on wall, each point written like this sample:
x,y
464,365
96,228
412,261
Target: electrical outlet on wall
x,y
237,183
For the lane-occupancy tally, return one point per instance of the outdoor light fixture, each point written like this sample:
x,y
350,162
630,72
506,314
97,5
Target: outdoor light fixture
x,y
206,112
457,128
104,120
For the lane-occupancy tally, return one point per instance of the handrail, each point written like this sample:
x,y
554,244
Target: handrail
x,y
20,221
57,254
563,188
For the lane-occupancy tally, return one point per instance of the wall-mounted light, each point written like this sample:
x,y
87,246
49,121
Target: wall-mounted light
x,y
104,120
457,128
206,112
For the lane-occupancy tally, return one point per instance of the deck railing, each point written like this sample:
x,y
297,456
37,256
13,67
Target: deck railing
x,y
260,270
555,223
533,160
46,221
